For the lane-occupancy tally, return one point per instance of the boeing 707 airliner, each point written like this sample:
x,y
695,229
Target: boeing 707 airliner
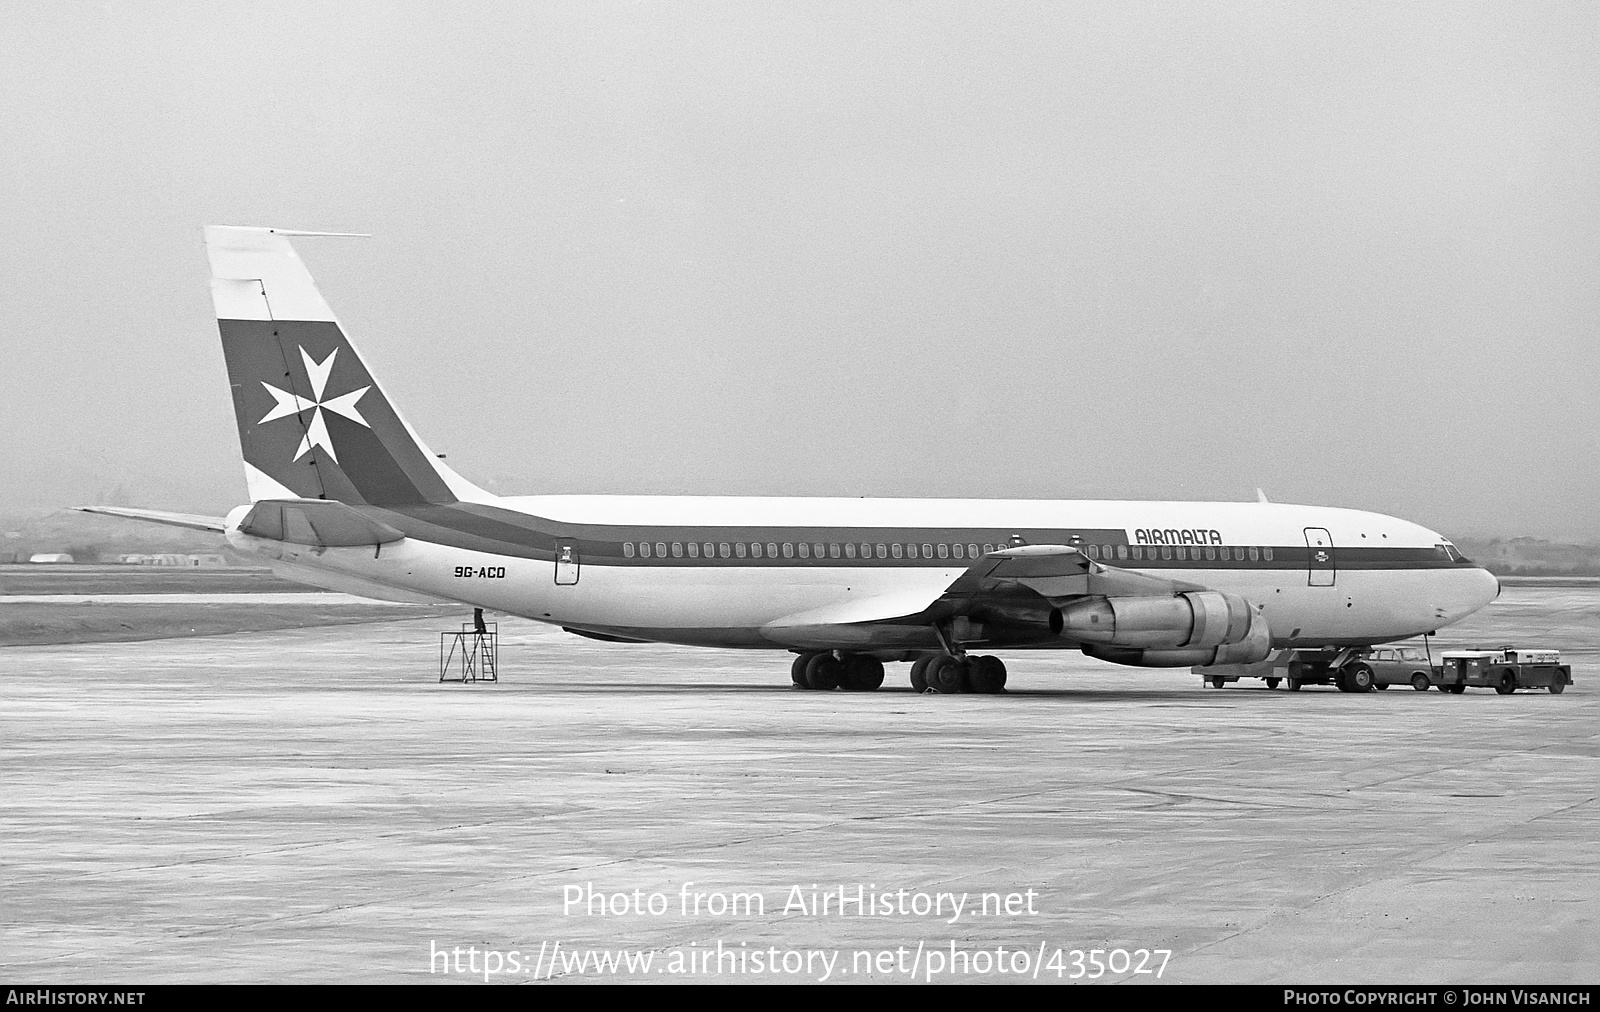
x,y
344,495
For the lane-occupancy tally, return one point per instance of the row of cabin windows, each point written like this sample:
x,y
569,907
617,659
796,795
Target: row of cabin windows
x,y
1211,553
804,550
865,550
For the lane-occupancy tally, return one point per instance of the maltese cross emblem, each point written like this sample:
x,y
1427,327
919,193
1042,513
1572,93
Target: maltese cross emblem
x,y
343,405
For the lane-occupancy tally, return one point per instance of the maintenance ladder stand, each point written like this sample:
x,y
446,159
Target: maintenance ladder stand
x,y
470,654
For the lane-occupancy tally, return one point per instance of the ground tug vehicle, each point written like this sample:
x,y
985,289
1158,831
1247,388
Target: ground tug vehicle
x,y
1362,669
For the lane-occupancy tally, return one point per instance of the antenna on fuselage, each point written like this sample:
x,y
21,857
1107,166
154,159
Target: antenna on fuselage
x,y
1261,496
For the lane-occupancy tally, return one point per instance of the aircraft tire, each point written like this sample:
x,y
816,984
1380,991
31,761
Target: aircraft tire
x,y
824,671
797,670
946,675
1420,682
1272,683
987,674
1507,683
919,673
1360,678
862,673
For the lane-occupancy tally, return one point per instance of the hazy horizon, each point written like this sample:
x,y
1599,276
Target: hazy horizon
x,y
1346,255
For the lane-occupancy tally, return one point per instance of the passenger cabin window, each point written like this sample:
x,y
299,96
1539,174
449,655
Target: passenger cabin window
x,y
1093,551
927,551
1266,553
627,549
833,551
724,549
694,549
1211,554
1238,554
805,550
1122,551
1166,551
772,550
818,550
943,550
1255,555
959,551
849,551
709,549
644,549
661,549
738,549
677,549
755,549
897,549
972,551
882,551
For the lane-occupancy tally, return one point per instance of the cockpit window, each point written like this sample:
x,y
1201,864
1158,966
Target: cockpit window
x,y
1450,552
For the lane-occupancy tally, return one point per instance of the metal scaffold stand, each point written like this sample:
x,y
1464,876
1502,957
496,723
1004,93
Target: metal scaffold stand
x,y
471,653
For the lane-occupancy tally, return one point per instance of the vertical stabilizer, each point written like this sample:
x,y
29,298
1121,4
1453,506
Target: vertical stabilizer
x,y
313,422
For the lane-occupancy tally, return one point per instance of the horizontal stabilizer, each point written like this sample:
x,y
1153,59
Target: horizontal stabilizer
x,y
320,523
192,521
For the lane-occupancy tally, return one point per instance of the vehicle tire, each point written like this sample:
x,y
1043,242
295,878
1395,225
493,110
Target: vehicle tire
x,y
1420,682
1339,682
1217,681
862,673
987,675
919,673
1272,683
1507,683
797,670
946,675
1294,685
824,672
1360,678
1557,684
1456,689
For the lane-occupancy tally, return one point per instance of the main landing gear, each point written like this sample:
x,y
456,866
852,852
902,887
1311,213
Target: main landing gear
x,y
851,672
944,673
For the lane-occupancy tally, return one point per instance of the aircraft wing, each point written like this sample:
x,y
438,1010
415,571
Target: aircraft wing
x,y
1057,573
192,521
1030,579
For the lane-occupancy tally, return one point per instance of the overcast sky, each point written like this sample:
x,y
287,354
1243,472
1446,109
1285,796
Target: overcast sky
x,y
1347,253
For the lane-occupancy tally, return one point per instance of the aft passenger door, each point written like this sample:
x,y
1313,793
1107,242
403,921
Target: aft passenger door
x,y
566,563
1319,553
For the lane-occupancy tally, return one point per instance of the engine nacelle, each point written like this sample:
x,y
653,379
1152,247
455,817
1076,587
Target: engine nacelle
x,y
1196,620
1253,646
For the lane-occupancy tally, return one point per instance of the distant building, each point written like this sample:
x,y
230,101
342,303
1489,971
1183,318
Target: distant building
x,y
50,557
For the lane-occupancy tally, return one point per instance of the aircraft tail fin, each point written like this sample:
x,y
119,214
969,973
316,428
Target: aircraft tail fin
x,y
313,422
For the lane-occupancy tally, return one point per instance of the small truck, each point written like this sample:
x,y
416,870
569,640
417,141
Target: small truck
x,y
1362,669
1505,670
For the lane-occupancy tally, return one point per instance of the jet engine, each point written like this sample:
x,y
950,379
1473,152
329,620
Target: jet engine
x,y
1203,627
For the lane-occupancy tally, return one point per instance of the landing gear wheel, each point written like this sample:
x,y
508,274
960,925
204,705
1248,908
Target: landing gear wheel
x,y
1456,689
1359,678
919,673
947,675
862,673
987,674
1507,683
1420,682
1217,681
824,671
1272,683
797,670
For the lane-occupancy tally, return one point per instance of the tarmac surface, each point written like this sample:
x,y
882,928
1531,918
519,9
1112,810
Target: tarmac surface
x,y
313,805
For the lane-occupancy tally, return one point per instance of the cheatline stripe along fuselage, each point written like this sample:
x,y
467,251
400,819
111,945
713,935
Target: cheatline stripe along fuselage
x,y
345,495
